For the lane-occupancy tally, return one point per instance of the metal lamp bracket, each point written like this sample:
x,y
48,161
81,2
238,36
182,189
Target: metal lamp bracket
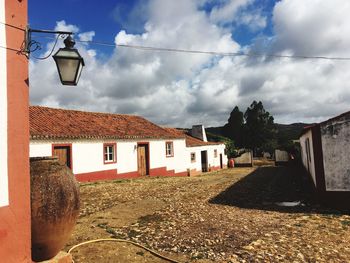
x,y
28,42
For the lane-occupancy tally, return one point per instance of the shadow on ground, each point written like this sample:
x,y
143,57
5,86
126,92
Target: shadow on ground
x,y
267,187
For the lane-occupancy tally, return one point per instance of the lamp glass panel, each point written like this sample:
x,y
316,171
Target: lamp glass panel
x,y
68,68
79,71
67,53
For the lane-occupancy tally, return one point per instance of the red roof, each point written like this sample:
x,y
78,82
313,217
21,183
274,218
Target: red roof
x,y
49,123
190,140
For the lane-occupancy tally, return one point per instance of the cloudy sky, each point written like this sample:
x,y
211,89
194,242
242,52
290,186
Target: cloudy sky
x,y
179,89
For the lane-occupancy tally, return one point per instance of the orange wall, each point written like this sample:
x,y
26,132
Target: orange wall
x,y
15,218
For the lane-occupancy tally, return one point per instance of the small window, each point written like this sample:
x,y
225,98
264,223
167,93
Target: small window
x,y
169,149
109,152
193,157
215,153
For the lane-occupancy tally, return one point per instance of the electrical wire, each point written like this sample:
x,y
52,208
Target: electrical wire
x,y
125,241
231,54
13,26
12,49
217,53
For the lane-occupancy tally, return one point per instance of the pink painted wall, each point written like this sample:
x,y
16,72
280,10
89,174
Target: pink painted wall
x,y
15,215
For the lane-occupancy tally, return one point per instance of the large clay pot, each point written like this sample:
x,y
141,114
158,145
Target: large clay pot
x,y
54,205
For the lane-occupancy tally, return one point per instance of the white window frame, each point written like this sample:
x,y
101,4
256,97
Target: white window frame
x,y
109,150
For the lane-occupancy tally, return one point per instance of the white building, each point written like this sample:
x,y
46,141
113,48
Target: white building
x,y
99,146
326,156
202,156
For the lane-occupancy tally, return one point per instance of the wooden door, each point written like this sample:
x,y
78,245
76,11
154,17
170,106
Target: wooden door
x,y
63,154
142,159
221,163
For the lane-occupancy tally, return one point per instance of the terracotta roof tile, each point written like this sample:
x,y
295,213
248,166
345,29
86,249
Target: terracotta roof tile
x,y
50,123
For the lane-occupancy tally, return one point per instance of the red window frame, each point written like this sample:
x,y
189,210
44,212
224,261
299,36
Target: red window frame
x,y
172,149
114,145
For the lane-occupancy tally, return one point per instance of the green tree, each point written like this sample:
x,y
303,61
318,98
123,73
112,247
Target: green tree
x,y
259,129
233,128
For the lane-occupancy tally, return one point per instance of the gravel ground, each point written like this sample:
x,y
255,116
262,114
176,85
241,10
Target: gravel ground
x,y
226,216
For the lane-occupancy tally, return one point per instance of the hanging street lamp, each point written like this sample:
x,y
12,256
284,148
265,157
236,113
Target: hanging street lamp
x,y
68,60
69,63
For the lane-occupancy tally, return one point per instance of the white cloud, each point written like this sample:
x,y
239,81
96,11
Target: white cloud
x,y
317,27
226,12
254,20
86,36
182,89
63,26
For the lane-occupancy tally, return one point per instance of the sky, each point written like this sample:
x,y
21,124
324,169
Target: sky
x,y
180,90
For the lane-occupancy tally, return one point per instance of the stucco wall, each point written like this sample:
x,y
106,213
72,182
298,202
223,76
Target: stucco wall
x,y
281,156
4,200
177,162
15,239
126,156
309,165
213,162
244,159
87,155
335,137
39,149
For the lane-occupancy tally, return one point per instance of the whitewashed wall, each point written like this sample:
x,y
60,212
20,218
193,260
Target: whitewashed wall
x,y
4,200
311,166
87,155
212,161
40,149
126,156
178,161
335,137
281,156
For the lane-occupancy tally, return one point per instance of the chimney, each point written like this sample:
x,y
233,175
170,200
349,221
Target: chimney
x,y
198,132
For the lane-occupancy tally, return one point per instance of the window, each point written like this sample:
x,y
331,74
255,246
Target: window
x,y
109,150
193,157
215,153
169,149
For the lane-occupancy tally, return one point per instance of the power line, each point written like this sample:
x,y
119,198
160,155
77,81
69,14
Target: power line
x,y
12,49
217,53
13,26
231,54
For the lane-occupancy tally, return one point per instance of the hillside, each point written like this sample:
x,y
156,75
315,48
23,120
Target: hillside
x,y
285,132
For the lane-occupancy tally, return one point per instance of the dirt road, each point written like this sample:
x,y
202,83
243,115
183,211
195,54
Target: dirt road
x,y
226,216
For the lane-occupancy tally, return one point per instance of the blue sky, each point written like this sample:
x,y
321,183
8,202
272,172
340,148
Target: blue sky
x,y
184,89
107,18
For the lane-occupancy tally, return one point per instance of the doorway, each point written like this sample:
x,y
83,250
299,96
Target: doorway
x,y
204,160
143,159
221,164
63,153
